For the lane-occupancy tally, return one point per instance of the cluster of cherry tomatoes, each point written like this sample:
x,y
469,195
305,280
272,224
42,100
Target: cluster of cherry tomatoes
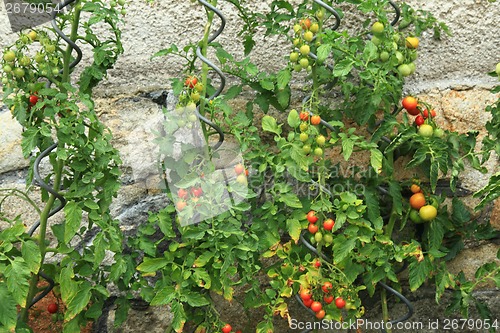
x,y
323,236
424,119
305,32
422,209
391,46
188,99
192,194
306,295
312,140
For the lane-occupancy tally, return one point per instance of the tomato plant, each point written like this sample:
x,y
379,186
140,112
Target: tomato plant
x,y
61,125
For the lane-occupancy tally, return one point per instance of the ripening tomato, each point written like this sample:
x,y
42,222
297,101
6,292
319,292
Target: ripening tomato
x,y
311,217
411,42
320,314
417,200
313,228
305,23
426,130
191,82
427,212
414,188
410,104
305,294
182,193
304,116
315,120
239,169
196,191
180,205
327,287
426,114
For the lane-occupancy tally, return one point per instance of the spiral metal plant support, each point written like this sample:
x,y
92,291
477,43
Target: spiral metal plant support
x,y
216,69
308,245
38,180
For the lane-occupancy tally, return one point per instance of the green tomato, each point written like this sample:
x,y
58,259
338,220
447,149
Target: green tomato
x,y
9,56
304,63
415,217
433,201
297,68
400,57
303,137
19,72
377,28
294,56
305,49
376,40
404,69
306,149
426,130
318,151
7,69
318,237
121,2
39,57
497,69
438,132
25,61
5,80
328,238
50,48
384,56
320,140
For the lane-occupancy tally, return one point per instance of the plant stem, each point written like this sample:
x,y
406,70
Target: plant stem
x,y
385,309
73,36
44,216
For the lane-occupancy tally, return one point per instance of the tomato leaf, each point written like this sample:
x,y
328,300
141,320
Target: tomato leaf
x,y
342,248
323,52
73,220
294,229
79,301
163,296
284,76
32,256
376,158
419,271
293,118
290,199
17,274
8,311
150,265
269,125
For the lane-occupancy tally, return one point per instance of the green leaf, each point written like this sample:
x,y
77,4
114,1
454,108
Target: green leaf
x,y
151,265
342,248
376,158
370,52
179,316
269,125
397,197
267,84
294,229
79,301
284,76
343,67
293,118
73,214
264,327
436,234
203,259
8,311
32,256
323,52
290,199
347,147
196,299
68,286
163,296
30,141
419,272
17,274
434,175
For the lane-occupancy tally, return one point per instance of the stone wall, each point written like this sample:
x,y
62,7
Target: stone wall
x,y
451,74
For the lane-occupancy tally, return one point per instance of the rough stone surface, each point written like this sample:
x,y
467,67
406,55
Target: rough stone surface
x,y
11,156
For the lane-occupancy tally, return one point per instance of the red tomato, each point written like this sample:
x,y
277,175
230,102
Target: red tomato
x,y
419,120
410,104
317,264
328,299
196,191
320,314
308,302
426,114
182,193
227,328
328,224
52,308
305,294
304,116
339,302
311,217
313,228
316,306
33,99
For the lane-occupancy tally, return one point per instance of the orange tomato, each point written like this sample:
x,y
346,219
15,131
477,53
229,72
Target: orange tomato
x,y
417,201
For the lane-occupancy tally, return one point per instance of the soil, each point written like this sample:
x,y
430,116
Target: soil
x,y
42,321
